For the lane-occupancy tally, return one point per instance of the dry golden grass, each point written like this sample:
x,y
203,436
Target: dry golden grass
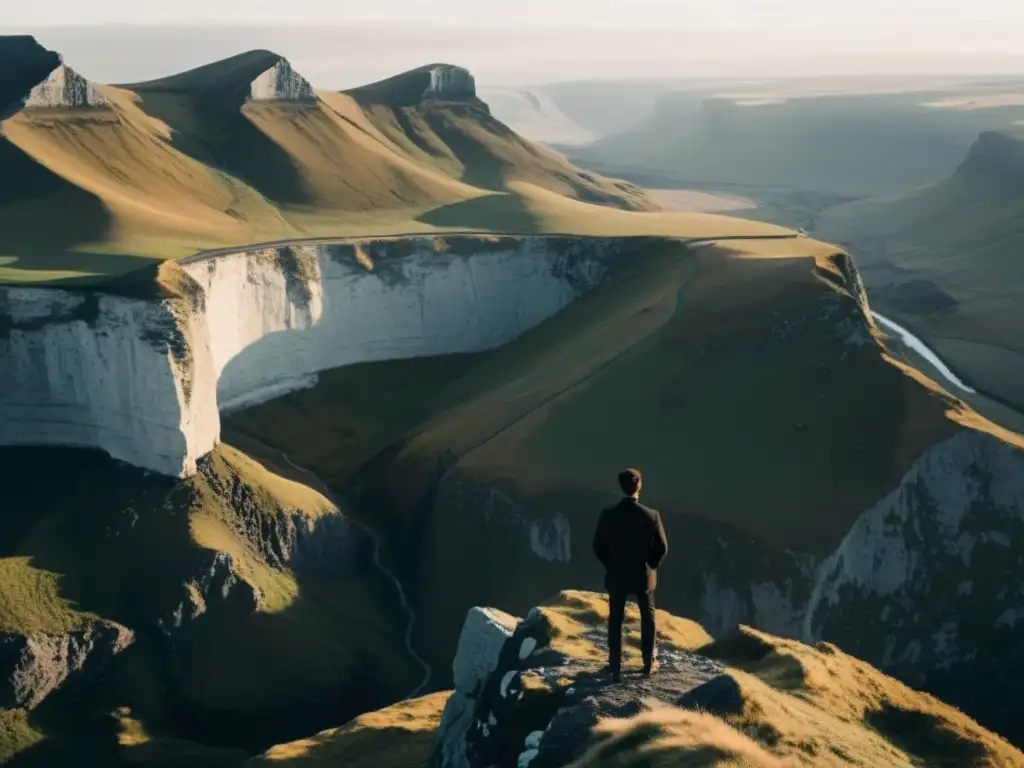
x,y
668,737
795,706
181,165
399,736
574,614
823,707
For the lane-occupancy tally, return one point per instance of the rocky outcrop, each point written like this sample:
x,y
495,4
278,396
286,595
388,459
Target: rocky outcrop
x,y
757,699
540,700
928,584
144,380
281,83
33,666
483,636
286,539
215,585
65,89
450,83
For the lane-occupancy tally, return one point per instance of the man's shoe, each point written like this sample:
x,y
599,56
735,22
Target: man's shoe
x,y
650,668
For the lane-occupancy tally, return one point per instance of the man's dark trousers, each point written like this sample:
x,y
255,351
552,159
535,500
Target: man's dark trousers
x,y
616,612
630,543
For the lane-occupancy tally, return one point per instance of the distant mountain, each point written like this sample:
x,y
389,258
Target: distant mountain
x,y
947,261
850,144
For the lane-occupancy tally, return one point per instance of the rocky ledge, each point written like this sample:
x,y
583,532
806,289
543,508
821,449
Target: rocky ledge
x,y
450,83
534,692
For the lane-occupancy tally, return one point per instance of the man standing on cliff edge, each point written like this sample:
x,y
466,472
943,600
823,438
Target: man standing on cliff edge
x,y
630,542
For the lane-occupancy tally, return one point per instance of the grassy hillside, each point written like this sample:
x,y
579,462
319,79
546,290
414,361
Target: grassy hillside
x,y
722,372
946,262
187,163
265,650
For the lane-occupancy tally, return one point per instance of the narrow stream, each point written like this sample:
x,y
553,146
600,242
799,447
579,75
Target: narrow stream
x,y
406,607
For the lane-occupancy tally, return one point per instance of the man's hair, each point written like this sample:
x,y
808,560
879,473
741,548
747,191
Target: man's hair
x,y
629,481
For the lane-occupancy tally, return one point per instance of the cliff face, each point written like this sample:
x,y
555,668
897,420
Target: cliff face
x,y
66,89
281,83
35,665
450,83
928,585
144,380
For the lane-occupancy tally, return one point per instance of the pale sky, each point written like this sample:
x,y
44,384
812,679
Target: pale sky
x,y
942,22
534,40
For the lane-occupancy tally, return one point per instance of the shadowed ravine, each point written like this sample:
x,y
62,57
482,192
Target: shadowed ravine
x,y
321,486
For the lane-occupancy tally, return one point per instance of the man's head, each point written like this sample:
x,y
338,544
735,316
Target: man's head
x,y
630,481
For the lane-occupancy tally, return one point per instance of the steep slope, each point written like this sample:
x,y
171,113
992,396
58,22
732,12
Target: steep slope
x,y
245,150
753,390
946,262
747,699
452,128
217,609
284,141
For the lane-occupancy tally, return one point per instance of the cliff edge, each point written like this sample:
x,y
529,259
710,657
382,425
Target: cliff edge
x,y
534,693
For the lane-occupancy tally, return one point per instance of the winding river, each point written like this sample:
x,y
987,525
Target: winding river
x,y
923,350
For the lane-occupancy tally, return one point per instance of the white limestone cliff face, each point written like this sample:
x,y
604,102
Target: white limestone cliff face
x,y
928,585
145,380
932,567
64,88
90,370
450,82
281,83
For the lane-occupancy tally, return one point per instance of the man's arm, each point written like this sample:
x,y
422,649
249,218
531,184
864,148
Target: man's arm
x,y
659,543
602,545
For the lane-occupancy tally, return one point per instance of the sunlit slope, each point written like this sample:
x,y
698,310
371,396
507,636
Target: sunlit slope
x,y
298,152
262,648
245,150
463,138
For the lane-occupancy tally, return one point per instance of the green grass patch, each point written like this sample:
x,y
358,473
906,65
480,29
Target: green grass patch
x,y
30,600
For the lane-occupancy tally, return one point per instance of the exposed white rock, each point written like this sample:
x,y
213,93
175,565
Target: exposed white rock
x,y
64,88
922,543
144,380
484,632
281,83
450,748
450,83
